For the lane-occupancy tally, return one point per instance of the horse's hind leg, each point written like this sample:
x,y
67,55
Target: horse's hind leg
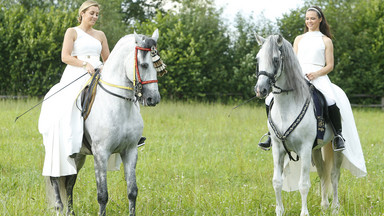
x,y
338,159
129,158
324,178
70,183
100,163
55,181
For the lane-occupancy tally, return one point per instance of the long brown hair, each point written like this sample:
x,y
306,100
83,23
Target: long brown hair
x,y
324,27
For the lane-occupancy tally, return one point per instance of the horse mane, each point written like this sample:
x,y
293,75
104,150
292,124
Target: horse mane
x,y
294,77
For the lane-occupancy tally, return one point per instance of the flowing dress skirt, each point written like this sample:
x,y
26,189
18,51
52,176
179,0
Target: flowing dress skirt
x,y
353,158
62,125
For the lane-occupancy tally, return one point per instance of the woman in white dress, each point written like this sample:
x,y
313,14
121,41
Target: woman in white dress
x,y
60,122
314,50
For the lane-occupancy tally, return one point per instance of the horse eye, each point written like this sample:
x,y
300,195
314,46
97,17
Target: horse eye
x,y
275,61
144,65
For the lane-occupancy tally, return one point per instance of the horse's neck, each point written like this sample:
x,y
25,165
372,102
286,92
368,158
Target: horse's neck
x,y
120,64
114,72
287,101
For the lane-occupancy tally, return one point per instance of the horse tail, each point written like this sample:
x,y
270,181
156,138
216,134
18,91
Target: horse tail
x,y
51,194
329,161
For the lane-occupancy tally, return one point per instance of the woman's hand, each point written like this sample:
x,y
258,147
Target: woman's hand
x,y
311,76
89,68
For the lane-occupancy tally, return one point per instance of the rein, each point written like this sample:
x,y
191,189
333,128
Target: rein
x,y
293,126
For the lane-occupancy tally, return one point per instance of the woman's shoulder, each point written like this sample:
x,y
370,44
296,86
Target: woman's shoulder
x,y
71,32
298,38
99,34
327,41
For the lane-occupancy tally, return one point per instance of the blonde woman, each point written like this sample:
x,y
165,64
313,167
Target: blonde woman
x,y
60,122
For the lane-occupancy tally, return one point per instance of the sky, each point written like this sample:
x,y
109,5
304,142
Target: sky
x,y
272,8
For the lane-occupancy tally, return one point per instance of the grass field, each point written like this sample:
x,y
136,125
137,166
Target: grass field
x,y
196,161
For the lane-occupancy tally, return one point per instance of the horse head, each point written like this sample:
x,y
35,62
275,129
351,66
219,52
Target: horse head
x,y
146,74
269,63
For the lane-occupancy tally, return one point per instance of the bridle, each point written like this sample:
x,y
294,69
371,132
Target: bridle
x,y
278,68
137,87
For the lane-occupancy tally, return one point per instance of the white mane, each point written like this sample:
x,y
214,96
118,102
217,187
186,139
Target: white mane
x,y
122,57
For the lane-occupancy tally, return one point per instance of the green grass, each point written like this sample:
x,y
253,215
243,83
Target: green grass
x,y
196,161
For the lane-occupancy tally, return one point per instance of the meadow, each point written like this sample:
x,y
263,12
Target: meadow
x,y
196,161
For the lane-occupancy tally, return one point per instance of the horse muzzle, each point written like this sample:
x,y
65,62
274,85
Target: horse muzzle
x,y
262,90
151,98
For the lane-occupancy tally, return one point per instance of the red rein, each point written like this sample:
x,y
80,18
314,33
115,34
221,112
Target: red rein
x,y
137,67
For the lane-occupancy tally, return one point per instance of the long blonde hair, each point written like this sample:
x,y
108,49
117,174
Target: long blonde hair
x,y
85,6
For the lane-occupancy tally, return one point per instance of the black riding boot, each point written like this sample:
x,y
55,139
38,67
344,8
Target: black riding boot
x,y
141,142
334,115
267,144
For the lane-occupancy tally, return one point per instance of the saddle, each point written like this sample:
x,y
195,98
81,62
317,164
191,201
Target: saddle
x,y
321,113
88,94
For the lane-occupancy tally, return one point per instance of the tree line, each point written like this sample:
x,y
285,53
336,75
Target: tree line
x,y
208,59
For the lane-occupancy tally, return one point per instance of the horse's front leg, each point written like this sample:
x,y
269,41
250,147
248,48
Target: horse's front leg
x,y
335,175
129,158
278,163
305,182
100,164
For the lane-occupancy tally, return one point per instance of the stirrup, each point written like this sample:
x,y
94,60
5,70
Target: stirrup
x,y
141,142
264,148
334,143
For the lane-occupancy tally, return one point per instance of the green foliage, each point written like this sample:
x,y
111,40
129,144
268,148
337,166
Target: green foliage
x,y
110,21
138,11
207,59
195,48
357,27
31,47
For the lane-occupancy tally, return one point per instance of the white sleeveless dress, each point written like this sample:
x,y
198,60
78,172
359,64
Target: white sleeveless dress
x,y
311,55
60,122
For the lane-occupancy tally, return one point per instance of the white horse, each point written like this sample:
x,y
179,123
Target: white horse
x,y
115,124
292,122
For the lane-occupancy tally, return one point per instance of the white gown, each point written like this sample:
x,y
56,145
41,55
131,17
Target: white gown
x,y
311,55
60,122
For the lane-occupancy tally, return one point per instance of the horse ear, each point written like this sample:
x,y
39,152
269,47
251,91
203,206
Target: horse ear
x,y
260,40
280,40
137,38
155,35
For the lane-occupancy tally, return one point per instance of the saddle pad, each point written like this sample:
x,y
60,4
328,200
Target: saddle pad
x,y
88,94
321,114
